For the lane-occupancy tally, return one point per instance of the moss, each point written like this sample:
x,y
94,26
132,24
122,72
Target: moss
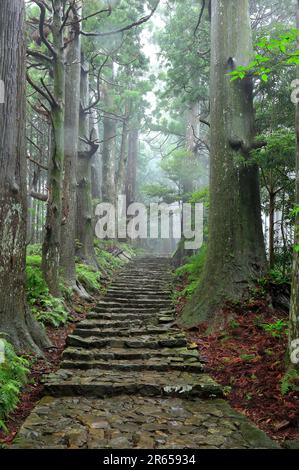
x,y
255,437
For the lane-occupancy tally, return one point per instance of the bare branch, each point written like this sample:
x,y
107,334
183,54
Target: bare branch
x,y
200,16
40,165
125,28
39,90
41,27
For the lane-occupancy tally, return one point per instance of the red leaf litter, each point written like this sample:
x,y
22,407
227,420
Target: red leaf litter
x,y
251,363
33,391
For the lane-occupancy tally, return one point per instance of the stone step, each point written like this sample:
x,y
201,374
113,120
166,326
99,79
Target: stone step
x,y
129,309
120,316
124,322
112,300
128,331
139,287
155,342
154,364
94,323
149,277
138,422
180,354
101,383
137,293
169,315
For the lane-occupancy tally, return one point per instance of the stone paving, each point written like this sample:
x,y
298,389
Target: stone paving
x,y
129,379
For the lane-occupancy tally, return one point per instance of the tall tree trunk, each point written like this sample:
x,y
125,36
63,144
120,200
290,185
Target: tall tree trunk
x,y
236,252
294,306
96,164
15,319
123,157
132,166
108,154
71,135
51,245
192,125
271,228
85,230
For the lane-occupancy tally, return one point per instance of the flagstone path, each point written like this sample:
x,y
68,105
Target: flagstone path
x,y
129,379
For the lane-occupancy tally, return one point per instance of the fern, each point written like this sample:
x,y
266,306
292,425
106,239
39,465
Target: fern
x,y
13,376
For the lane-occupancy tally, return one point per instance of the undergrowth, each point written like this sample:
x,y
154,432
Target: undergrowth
x,y
47,309
14,372
191,271
89,277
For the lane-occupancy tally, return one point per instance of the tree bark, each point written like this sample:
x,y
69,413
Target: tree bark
x,y
271,229
132,166
236,252
71,136
294,305
16,321
96,164
123,157
85,231
108,154
51,245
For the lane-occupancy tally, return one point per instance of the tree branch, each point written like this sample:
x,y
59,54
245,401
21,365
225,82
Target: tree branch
x,y
39,90
41,27
200,16
125,28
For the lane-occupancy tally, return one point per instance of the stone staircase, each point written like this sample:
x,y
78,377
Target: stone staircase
x,y
129,343
129,379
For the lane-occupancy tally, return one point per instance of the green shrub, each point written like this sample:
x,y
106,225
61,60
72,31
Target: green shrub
x,y
89,277
52,311
290,381
13,376
276,329
34,250
192,270
47,309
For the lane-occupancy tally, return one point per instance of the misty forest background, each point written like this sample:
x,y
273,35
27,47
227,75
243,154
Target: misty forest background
x,y
163,101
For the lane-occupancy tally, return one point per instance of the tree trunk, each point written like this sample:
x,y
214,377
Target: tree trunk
x,y
15,319
271,229
132,166
236,252
96,165
51,245
71,135
123,157
108,155
192,125
85,232
294,306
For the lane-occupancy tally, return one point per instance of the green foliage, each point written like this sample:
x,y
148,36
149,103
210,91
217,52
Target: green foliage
x,y
202,196
276,329
52,311
13,376
160,192
277,276
34,250
290,381
273,50
89,277
193,271
47,309
247,357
